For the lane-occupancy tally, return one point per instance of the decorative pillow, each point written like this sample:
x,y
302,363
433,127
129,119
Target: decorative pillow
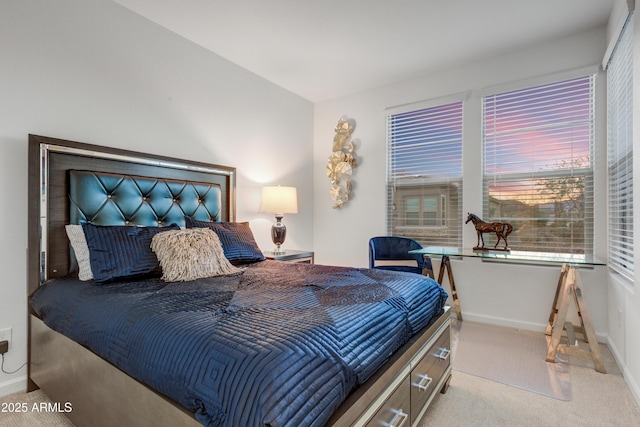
x,y
236,237
122,252
80,249
190,254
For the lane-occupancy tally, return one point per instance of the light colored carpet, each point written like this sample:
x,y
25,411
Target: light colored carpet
x,y
509,356
598,400
25,410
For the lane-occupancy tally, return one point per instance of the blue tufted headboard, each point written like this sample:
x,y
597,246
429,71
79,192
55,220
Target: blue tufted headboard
x,y
116,199
71,182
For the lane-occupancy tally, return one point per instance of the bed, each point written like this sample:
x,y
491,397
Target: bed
x,y
265,343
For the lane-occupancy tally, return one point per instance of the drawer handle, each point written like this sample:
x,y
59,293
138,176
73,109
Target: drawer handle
x,y
399,419
423,379
444,354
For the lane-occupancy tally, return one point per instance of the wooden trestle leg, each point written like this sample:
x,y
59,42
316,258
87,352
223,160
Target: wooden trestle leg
x,y
445,264
427,270
554,308
570,285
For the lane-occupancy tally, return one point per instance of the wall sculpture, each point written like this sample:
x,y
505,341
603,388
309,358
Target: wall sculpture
x,y
342,162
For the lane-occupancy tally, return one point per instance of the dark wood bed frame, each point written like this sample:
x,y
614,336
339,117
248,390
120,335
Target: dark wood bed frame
x,y
102,395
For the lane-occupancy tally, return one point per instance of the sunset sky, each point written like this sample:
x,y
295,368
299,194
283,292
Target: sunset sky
x,y
528,132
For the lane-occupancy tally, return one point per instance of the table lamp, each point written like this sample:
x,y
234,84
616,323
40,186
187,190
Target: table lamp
x,y
279,201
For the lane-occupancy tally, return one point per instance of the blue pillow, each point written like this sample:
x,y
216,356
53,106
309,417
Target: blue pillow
x,y
237,240
122,252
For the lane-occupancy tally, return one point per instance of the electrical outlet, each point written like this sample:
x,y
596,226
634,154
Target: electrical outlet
x,y
5,335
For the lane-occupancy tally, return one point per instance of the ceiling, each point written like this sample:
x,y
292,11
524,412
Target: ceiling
x,y
323,49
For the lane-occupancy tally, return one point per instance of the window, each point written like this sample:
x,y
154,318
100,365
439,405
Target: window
x,y
424,175
538,165
620,152
423,211
430,211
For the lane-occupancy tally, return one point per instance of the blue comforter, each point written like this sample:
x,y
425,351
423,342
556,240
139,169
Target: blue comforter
x,y
278,344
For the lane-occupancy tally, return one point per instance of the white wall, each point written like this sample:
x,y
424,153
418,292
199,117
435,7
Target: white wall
x,y
507,294
92,71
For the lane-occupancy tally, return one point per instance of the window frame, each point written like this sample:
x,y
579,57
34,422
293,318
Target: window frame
x,y
537,177
447,231
620,153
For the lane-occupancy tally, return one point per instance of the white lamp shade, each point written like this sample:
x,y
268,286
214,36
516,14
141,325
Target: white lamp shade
x,y
278,199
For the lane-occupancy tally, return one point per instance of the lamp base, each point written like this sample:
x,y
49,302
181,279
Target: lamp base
x,y
278,234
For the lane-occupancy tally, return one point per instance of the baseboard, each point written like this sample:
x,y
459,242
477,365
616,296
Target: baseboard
x,y
501,321
633,385
517,324
15,385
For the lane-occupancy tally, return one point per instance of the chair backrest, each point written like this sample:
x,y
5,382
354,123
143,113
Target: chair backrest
x,y
395,248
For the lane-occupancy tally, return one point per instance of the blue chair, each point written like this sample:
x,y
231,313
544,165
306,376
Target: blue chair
x,y
394,252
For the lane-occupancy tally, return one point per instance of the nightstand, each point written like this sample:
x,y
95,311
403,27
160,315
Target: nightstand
x,y
291,255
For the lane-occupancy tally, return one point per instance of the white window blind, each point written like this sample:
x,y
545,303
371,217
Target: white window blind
x,y
538,165
424,175
620,153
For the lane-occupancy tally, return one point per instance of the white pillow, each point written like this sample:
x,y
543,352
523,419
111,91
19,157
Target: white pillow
x,y
80,249
190,254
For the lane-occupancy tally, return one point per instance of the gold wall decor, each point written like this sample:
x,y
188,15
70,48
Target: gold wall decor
x,y
342,162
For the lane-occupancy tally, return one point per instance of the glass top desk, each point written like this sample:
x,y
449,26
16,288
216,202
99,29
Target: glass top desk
x,y
569,287
521,256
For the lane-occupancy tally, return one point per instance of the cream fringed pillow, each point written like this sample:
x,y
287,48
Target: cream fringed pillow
x,y
80,249
190,254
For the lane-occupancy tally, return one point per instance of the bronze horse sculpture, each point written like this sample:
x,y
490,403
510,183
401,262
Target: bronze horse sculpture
x,y
501,229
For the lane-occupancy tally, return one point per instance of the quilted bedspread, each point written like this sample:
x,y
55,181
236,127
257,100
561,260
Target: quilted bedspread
x,y
278,344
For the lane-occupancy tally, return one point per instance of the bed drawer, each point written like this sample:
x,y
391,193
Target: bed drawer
x,y
426,376
378,401
395,411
